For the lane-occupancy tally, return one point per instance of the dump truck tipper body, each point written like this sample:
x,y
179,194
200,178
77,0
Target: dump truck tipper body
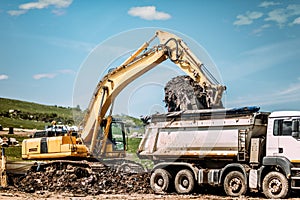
x,y
210,134
240,149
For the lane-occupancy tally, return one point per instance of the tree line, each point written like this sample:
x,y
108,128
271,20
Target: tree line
x,y
42,117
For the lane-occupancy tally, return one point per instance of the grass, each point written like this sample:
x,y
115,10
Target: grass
x,y
13,153
42,112
12,104
18,123
133,144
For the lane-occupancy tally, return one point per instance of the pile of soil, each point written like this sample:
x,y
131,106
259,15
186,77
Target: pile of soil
x,y
183,93
82,180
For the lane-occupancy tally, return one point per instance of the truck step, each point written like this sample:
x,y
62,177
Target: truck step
x,y
295,188
295,169
295,178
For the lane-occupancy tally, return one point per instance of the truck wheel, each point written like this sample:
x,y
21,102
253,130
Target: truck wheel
x,y
160,180
275,186
234,184
184,181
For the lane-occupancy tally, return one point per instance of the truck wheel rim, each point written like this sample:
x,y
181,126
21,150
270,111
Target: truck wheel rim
x,y
275,186
160,181
235,184
184,182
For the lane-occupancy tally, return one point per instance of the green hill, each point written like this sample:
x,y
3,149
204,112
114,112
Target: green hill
x,y
29,115
22,114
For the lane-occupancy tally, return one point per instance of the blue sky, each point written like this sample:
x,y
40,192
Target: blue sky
x,y
46,44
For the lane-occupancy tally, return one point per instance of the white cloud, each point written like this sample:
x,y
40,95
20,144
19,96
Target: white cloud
x,y
58,12
261,29
16,12
296,21
148,13
281,16
266,4
53,75
292,89
293,9
40,76
247,18
3,77
41,4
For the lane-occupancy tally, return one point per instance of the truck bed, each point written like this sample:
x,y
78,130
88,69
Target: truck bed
x,y
202,134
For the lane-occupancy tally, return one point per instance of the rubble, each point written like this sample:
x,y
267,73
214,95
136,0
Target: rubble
x,y
82,181
183,93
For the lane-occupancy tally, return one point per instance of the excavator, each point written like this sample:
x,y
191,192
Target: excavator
x,y
103,137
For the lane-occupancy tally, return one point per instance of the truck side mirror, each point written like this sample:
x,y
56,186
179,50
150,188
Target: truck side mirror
x,y
295,128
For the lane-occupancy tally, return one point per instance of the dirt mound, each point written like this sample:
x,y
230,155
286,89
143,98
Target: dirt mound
x,y
183,93
81,180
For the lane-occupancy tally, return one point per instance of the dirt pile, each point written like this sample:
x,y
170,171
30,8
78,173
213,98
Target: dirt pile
x,y
183,93
84,181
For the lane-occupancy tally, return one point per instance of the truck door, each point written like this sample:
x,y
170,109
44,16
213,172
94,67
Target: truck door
x,y
288,145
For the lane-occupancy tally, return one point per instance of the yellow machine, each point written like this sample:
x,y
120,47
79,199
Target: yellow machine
x,y
102,137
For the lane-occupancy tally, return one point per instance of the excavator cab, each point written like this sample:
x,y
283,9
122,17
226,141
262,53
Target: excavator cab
x,y
112,133
117,136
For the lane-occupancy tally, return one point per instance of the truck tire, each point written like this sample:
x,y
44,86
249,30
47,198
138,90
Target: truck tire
x,y
234,184
184,181
275,185
160,180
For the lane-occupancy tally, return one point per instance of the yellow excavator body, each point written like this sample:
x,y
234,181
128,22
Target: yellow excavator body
x,y
53,148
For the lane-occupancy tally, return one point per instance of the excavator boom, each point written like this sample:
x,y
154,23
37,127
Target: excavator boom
x,y
97,137
143,60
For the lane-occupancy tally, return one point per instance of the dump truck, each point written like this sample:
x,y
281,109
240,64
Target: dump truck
x,y
240,149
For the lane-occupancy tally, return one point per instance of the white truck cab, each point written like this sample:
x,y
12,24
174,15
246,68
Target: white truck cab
x,y
283,135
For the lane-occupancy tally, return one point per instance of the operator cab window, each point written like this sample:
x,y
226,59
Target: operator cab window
x,y
282,127
117,136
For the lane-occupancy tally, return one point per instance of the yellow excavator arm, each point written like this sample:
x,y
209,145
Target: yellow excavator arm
x,y
137,64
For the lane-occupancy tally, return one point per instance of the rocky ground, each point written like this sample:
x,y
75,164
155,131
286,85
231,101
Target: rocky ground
x,y
81,180
69,182
47,195
9,194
